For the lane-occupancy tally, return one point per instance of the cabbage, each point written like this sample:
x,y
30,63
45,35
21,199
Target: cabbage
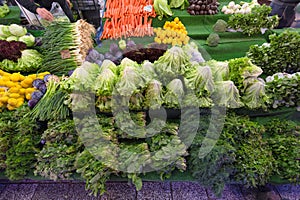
x,y
174,94
12,38
4,31
226,94
29,40
17,30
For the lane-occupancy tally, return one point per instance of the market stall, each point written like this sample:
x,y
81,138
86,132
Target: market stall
x,y
154,99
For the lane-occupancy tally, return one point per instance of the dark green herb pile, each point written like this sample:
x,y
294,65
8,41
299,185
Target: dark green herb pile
x,y
281,54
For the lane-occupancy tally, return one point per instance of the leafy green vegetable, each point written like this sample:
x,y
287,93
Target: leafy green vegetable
x,y
182,4
252,23
213,40
283,138
30,61
255,95
162,8
56,159
22,146
17,30
154,95
4,10
173,63
280,55
220,70
201,81
240,69
174,94
29,40
283,90
254,161
226,94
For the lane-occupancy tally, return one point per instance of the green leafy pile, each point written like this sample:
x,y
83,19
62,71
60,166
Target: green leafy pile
x,y
252,23
61,146
283,90
283,137
239,155
20,138
254,161
4,10
280,55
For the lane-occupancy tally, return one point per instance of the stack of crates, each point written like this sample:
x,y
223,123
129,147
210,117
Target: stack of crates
x,y
90,10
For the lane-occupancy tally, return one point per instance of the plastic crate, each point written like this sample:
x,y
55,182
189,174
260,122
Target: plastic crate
x,y
92,17
85,5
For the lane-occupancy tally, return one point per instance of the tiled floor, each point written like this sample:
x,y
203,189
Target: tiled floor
x,y
150,191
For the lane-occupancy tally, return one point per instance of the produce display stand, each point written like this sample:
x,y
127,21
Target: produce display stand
x,y
231,45
13,16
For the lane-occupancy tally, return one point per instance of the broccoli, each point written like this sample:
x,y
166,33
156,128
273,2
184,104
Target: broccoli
x,y
213,40
220,26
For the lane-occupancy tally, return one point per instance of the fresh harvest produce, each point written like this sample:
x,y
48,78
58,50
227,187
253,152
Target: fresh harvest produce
x,y
205,7
239,8
30,61
13,30
140,53
128,19
172,37
4,10
281,54
11,50
182,4
175,25
162,9
253,22
213,39
173,32
283,90
15,88
65,45
220,26
48,103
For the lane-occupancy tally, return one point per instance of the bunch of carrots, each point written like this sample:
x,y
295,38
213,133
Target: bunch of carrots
x,y
128,18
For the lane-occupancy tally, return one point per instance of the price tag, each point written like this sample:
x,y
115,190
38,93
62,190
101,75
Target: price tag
x,y
148,8
65,54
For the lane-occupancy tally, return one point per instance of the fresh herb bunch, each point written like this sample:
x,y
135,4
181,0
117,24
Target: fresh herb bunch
x,y
23,145
93,171
61,146
280,55
213,170
284,140
283,90
254,161
252,23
